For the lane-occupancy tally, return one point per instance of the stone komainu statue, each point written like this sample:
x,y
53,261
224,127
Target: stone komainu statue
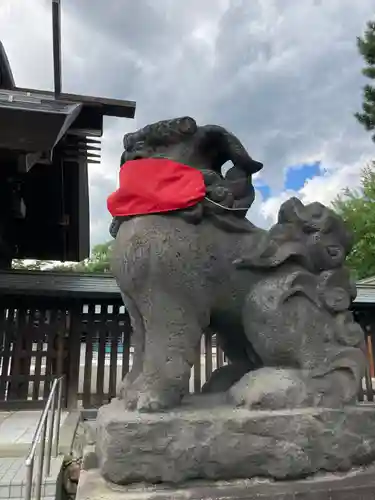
x,y
277,299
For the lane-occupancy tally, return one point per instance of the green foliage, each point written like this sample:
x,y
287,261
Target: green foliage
x,y
357,209
366,47
99,260
97,263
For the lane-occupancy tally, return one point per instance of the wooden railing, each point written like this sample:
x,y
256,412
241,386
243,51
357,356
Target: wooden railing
x,y
89,342
33,352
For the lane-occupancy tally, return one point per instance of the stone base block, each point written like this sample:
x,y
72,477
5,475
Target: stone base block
x,y
220,442
357,485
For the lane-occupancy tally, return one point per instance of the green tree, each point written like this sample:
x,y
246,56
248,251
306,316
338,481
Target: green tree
x,y
366,47
97,263
357,210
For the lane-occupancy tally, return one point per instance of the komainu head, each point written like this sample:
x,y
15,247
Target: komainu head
x,y
312,236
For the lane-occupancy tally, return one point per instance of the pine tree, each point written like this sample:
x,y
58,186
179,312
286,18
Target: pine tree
x,y
366,47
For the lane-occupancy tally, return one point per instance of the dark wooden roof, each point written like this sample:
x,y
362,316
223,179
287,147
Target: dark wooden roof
x,y
95,285
47,140
102,106
365,294
59,284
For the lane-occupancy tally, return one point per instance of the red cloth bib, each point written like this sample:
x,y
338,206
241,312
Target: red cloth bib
x,y
154,185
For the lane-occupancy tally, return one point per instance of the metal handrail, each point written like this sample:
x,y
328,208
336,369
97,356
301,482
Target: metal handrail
x,y
51,419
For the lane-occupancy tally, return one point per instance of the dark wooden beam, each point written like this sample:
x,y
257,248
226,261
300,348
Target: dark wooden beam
x,y
56,36
106,107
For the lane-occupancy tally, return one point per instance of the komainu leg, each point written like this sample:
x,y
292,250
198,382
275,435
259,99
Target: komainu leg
x,y
138,344
172,332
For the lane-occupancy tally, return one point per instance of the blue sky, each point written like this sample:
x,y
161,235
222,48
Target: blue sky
x,y
295,178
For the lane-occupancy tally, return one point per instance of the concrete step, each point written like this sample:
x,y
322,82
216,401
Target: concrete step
x,y
17,429
13,478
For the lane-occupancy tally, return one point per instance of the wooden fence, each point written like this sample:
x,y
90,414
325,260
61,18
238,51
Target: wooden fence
x,y
89,342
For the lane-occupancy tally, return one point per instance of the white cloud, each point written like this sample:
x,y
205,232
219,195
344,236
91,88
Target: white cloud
x,y
26,31
285,76
324,188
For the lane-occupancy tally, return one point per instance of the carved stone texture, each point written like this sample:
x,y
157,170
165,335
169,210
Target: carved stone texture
x,y
297,315
218,442
276,299
280,304
153,255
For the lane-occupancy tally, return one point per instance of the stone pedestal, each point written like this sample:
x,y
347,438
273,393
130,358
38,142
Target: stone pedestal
x,y
213,442
357,485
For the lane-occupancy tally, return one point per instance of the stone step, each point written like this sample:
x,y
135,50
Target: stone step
x,y
13,478
17,430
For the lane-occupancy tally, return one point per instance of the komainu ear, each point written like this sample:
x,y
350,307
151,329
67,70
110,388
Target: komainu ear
x,y
227,148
